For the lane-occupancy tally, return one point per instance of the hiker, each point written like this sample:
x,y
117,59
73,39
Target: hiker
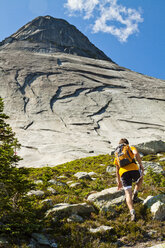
x,y
127,171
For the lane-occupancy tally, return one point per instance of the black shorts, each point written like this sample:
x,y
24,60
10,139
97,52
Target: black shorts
x,y
129,177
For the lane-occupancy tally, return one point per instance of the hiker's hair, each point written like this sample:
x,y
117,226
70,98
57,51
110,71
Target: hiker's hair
x,y
124,141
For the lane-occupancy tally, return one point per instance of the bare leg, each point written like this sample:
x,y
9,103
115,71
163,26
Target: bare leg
x,y
139,184
128,195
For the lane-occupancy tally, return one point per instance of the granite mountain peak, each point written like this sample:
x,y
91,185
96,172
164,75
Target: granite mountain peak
x,y
47,34
67,100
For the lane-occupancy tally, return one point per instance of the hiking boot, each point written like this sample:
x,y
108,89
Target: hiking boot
x,y
133,216
135,197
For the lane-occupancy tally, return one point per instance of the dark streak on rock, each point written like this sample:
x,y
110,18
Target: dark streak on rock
x,y
139,122
27,126
101,111
56,96
148,98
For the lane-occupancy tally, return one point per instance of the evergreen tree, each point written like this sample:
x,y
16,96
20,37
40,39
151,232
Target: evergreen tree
x,y
8,160
16,209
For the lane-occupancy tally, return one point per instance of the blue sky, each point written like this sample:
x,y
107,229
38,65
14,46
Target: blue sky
x,y
130,32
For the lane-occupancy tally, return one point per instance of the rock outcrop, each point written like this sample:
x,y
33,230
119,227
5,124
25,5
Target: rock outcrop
x,y
68,100
156,205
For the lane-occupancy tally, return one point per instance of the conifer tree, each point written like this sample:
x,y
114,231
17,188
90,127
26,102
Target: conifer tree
x,y
8,159
15,207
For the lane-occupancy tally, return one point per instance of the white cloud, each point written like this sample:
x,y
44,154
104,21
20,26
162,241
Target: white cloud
x,y
83,6
111,17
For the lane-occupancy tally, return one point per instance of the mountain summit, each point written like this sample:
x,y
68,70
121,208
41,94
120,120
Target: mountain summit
x,y
63,106
46,34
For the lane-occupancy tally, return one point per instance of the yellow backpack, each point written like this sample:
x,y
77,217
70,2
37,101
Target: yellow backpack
x,y
124,155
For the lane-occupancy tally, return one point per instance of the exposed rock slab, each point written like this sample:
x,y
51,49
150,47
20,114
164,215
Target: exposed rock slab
x,y
63,106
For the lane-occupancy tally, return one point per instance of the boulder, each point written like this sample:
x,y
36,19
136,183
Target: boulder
x,y
101,229
158,246
92,173
65,209
3,241
41,239
69,182
156,205
36,193
75,218
162,159
158,210
54,245
52,181
93,178
82,175
55,182
53,191
150,200
156,167
106,199
111,169
38,182
61,177
74,185
32,244
151,147
48,202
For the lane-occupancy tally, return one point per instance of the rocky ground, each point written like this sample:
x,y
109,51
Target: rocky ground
x,y
78,205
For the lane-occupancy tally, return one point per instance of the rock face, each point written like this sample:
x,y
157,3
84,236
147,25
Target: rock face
x,y
50,35
67,100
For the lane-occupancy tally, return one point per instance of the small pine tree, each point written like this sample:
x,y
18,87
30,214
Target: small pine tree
x,y
17,212
8,160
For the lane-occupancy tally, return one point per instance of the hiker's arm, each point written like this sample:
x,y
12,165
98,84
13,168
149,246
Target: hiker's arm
x,y
119,184
138,158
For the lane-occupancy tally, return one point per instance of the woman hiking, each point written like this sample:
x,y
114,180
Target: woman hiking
x,y
127,172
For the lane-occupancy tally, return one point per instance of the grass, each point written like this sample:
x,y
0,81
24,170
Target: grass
x,y
73,235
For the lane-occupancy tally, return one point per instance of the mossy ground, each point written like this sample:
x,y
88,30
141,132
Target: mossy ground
x,y
74,235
